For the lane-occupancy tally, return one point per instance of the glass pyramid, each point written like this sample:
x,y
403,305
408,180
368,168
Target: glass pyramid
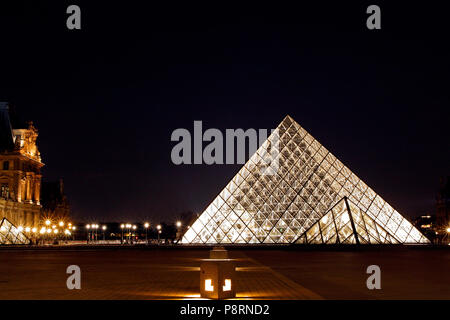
x,y
345,223
9,234
285,188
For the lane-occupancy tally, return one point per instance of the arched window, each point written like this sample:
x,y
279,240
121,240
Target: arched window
x,y
5,165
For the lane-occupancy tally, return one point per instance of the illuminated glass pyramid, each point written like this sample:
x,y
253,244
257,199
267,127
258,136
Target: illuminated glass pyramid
x,y
9,234
285,190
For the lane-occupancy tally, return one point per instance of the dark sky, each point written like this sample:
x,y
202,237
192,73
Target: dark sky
x,y
106,98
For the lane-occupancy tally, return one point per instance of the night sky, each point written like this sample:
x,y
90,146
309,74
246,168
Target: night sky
x,y
106,98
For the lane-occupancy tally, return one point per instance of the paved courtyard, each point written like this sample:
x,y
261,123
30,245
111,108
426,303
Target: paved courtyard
x,y
171,273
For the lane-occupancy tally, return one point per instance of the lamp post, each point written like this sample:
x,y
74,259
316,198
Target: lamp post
x,y
134,228
121,227
178,236
103,230
128,226
95,228
158,227
88,227
146,225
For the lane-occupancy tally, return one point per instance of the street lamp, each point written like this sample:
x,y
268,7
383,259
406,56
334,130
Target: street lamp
x,y
95,226
47,222
178,224
146,225
104,228
158,227
61,224
88,227
128,226
121,227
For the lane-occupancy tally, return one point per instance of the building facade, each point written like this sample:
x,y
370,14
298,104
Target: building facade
x,y
20,173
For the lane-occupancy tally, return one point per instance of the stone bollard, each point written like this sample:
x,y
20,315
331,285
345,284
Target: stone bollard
x,y
217,276
217,279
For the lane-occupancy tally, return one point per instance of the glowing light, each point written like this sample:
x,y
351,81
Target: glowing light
x,y
74,228
122,226
27,229
178,224
208,285
61,224
104,227
20,228
55,231
49,230
34,230
134,227
146,225
47,222
88,226
227,286
448,229
158,227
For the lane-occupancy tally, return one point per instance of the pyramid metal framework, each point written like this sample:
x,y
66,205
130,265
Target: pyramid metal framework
x,y
345,223
284,190
9,234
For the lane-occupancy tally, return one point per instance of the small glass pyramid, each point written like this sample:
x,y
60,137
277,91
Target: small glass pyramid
x,y
9,234
286,188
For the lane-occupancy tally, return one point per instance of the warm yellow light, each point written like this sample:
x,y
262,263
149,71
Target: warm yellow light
x,y
128,226
69,224
88,226
208,285
42,231
146,225
122,226
74,228
27,229
61,224
178,224
53,226
49,230
448,229
227,286
20,228
158,227
104,227
34,230
134,227
55,231
47,222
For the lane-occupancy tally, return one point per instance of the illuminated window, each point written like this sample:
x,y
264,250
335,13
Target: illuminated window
x,y
227,286
208,285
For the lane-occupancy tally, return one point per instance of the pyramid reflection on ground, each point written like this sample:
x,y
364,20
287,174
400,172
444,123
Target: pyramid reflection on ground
x,y
286,187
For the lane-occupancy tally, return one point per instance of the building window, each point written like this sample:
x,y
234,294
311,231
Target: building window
x,y
4,191
6,165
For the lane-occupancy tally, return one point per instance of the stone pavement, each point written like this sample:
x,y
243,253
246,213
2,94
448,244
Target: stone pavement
x,y
132,274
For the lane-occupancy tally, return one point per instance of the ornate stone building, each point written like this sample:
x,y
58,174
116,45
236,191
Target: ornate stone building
x,y
20,173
